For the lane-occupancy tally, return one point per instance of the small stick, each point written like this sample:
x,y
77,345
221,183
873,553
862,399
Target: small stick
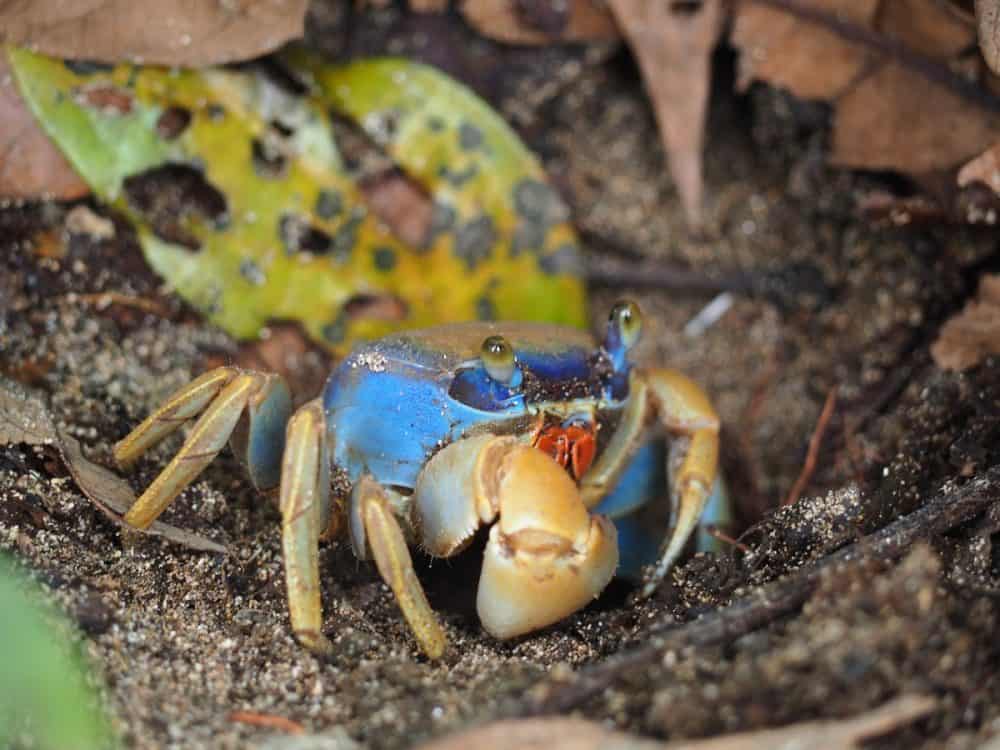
x,y
102,300
716,533
267,720
664,276
814,443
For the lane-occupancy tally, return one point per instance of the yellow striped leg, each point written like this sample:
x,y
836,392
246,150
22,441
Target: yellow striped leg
x,y
388,546
304,500
186,404
684,410
207,438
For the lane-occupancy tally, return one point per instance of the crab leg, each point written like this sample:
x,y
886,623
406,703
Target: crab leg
x,y
684,409
304,500
392,557
185,404
221,396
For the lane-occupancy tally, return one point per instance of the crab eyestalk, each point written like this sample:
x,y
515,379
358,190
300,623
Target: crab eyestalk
x,y
624,329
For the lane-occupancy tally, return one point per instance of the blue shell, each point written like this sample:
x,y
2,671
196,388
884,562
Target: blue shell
x,y
393,403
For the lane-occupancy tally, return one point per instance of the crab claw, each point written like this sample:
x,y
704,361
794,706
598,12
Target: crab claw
x,y
547,556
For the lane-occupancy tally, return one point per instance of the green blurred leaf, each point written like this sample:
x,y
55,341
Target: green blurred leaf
x,y
44,695
243,204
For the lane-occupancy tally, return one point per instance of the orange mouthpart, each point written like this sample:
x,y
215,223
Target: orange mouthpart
x,y
572,446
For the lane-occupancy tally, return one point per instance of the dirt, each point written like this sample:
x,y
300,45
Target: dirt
x,y
183,639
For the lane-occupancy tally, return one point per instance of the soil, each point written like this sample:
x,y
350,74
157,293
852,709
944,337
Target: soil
x,y
182,639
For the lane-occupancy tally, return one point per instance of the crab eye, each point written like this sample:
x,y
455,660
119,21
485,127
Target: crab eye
x,y
626,321
498,359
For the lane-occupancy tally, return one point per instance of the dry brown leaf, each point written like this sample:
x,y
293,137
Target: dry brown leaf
x,y
674,46
895,119
167,32
30,164
985,168
113,496
967,338
541,21
806,59
25,419
579,734
884,64
988,20
429,6
936,28
832,734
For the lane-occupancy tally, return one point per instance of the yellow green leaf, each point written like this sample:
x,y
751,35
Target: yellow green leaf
x,y
244,206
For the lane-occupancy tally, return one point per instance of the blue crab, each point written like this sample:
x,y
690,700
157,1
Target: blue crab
x,y
422,438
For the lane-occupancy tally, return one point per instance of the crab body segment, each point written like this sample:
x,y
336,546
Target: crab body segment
x,y
424,437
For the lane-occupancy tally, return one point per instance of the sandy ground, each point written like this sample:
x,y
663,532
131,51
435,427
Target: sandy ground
x,y
182,639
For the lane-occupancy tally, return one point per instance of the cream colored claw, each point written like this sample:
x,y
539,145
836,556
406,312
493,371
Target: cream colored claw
x,y
546,556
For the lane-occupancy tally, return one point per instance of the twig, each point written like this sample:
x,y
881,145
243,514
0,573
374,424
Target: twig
x,y
267,720
948,509
814,443
716,533
102,300
789,287
926,67
665,277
